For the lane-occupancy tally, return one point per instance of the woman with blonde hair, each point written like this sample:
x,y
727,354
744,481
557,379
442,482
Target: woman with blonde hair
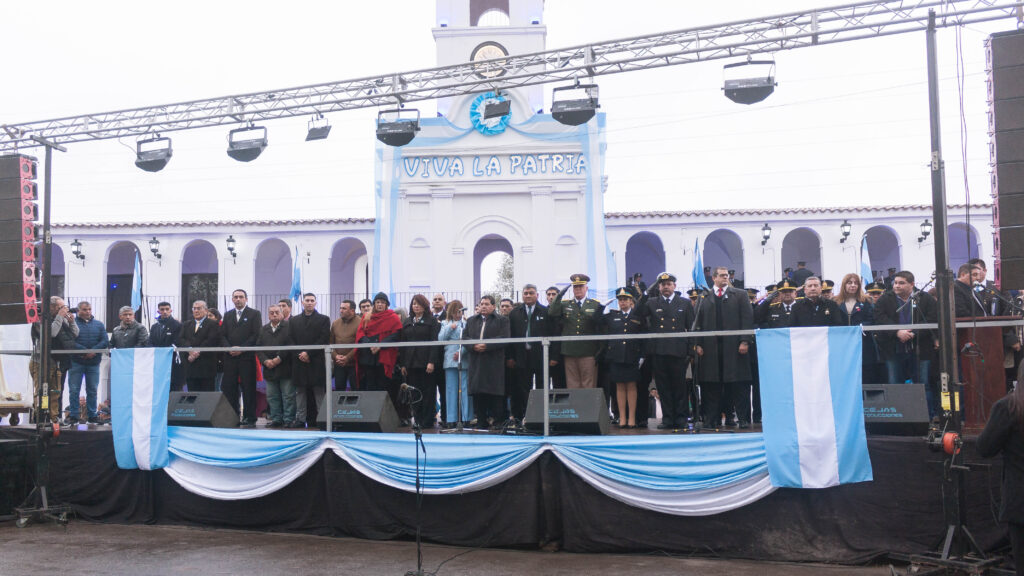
x,y
456,367
855,309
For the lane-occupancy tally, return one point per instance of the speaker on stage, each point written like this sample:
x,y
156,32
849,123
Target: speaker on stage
x,y
1005,64
572,411
201,409
895,409
19,289
360,412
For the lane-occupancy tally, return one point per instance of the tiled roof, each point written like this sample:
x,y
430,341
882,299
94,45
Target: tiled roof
x,y
777,211
219,223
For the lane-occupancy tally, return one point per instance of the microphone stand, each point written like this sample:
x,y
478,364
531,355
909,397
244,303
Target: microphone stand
x,y
697,395
418,445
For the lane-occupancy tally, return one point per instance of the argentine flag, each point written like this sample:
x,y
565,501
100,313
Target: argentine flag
x,y
140,382
812,406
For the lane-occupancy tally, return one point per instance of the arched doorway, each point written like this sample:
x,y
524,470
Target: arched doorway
x,y
120,271
724,248
57,272
492,273
645,255
349,272
199,274
273,273
802,245
963,244
883,250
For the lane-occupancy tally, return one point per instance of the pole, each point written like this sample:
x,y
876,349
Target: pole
x,y
47,315
328,405
546,344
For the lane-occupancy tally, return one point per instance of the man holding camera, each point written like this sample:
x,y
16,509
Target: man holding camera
x,y
63,331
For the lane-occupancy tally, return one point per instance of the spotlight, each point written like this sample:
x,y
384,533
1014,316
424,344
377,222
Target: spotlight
x,y
245,144
397,127
574,105
319,128
152,154
749,82
497,109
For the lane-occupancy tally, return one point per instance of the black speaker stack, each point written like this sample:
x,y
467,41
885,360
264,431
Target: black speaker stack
x,y
19,237
1005,66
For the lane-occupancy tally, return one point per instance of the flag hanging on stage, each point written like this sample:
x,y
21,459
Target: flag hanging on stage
x,y
812,406
140,382
137,284
699,281
866,276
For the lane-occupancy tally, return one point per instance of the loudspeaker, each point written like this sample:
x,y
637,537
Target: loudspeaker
x,y
360,412
18,166
1005,65
17,250
572,411
18,210
895,409
201,409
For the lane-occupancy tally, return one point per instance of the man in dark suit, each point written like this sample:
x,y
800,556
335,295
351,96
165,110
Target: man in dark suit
x,y
776,310
666,312
908,353
725,360
308,372
815,309
241,328
966,303
200,332
529,319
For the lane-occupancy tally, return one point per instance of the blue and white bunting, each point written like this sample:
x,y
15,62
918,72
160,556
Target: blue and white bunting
x,y
140,382
812,406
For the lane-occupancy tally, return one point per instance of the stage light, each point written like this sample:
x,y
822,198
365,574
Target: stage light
x,y
845,228
76,249
574,105
152,154
319,128
749,82
154,247
926,230
397,127
231,247
497,109
245,144
766,233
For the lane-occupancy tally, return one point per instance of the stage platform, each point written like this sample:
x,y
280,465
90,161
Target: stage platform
x,y
545,503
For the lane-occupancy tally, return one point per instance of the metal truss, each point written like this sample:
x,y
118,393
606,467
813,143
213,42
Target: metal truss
x,y
737,39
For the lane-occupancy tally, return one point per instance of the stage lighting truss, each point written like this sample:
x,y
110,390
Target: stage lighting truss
x,y
397,127
574,105
247,143
319,128
152,154
749,82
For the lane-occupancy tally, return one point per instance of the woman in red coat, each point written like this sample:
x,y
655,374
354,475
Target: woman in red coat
x,y
376,366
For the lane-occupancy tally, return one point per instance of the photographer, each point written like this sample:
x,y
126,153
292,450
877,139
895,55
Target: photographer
x,y
1004,432
63,331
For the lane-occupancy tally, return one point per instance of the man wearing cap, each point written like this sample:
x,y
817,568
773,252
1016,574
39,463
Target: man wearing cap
x,y
623,356
579,317
752,294
874,290
826,288
776,310
814,309
724,360
665,312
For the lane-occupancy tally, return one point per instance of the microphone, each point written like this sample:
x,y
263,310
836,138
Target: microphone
x,y
978,287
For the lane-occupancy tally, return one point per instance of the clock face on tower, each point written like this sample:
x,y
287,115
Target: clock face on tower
x,y
488,51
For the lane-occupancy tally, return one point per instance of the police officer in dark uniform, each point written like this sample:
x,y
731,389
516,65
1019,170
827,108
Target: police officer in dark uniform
x,y
580,317
775,311
814,309
623,356
666,312
826,289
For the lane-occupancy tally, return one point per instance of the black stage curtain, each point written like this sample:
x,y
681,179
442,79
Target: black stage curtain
x,y
900,511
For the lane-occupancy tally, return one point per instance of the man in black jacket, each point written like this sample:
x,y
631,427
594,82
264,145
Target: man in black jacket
x,y
308,371
815,309
908,353
529,319
277,368
241,329
665,312
164,333
966,303
487,362
200,332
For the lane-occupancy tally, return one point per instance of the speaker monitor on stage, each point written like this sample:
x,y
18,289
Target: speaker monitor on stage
x,y
360,412
200,409
895,409
571,411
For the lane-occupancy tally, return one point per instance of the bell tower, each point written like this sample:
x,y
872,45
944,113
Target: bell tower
x,y
475,30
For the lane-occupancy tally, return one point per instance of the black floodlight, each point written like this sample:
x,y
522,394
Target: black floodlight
x,y
319,128
574,105
497,109
397,127
749,82
247,143
152,154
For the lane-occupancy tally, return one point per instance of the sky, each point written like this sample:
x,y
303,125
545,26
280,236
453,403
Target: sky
x,y
847,125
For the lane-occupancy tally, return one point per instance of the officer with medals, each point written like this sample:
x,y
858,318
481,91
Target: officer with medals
x,y
624,356
776,310
814,309
579,316
666,312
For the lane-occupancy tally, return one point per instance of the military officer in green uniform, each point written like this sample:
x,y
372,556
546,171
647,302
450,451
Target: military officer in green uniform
x,y
579,317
